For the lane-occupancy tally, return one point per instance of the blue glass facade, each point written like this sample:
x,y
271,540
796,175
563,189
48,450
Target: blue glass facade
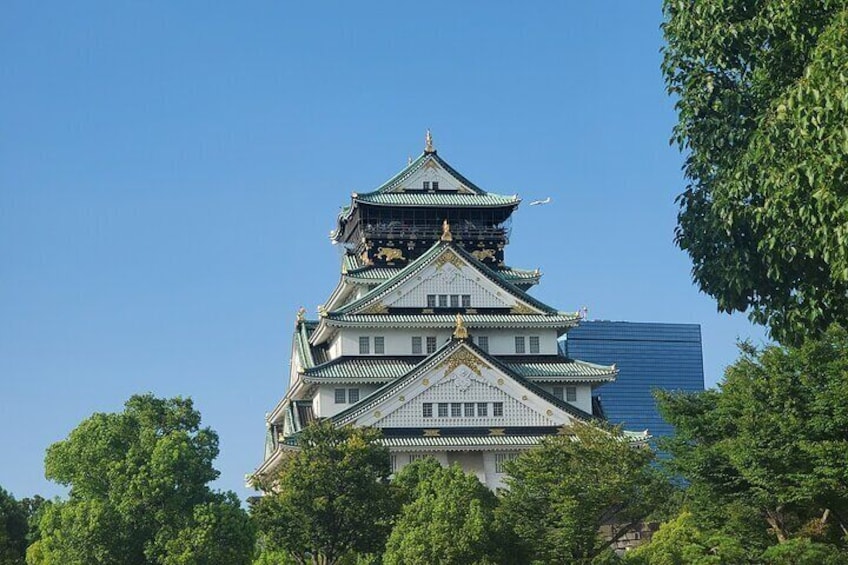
x,y
648,356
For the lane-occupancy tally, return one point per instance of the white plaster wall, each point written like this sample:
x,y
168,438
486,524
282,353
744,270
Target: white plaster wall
x,y
584,394
324,402
399,341
449,279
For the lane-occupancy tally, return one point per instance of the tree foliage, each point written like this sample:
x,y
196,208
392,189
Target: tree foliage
x,y
563,491
449,519
13,530
762,99
331,498
771,444
139,493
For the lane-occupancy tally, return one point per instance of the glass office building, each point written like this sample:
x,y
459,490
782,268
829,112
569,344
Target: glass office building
x,y
648,356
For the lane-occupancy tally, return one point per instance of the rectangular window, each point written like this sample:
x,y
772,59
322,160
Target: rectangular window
x,y
415,457
454,300
353,395
466,301
443,409
501,458
379,345
456,410
428,410
497,409
426,185
431,301
416,345
364,345
482,409
571,393
435,185
558,392
469,409
393,459
340,395
443,301
519,344
431,344
534,344
483,342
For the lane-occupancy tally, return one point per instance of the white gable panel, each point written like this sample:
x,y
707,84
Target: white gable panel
x,y
432,172
463,377
449,279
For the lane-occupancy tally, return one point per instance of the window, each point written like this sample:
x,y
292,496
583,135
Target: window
x,y
466,301
380,345
443,301
428,409
364,348
426,185
435,185
443,409
431,301
557,391
534,344
393,459
469,409
497,409
353,395
483,342
519,344
416,345
482,409
340,395
571,393
456,410
454,300
416,456
501,458
431,344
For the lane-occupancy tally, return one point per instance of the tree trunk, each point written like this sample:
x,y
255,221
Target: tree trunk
x,y
775,520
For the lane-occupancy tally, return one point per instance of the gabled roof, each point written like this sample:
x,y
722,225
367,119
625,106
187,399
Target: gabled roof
x,y
437,250
389,390
547,368
394,183
355,271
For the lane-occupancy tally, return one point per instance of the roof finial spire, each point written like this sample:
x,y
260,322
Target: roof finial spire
x,y
446,233
461,332
428,142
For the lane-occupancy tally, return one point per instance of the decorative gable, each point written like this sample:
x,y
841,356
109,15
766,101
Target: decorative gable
x,y
431,176
443,394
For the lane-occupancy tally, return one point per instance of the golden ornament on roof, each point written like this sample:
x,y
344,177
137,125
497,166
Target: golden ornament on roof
x,y
446,233
428,143
461,332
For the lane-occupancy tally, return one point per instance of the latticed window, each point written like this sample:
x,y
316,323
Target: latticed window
x,y
469,409
416,456
353,395
431,301
501,458
443,409
340,395
466,301
443,301
571,393
483,342
427,410
558,392
416,345
456,410
454,300
497,409
435,185
519,344
482,409
534,344
379,345
364,345
426,185
431,344
393,459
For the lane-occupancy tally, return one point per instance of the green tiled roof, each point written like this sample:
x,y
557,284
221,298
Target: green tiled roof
x,y
381,274
430,255
419,162
559,320
386,369
301,337
447,199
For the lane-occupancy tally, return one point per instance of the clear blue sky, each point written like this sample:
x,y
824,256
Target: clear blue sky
x,y
169,172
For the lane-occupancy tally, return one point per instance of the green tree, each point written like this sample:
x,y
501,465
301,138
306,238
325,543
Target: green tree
x,y
13,530
562,491
449,519
762,99
139,493
330,499
771,444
